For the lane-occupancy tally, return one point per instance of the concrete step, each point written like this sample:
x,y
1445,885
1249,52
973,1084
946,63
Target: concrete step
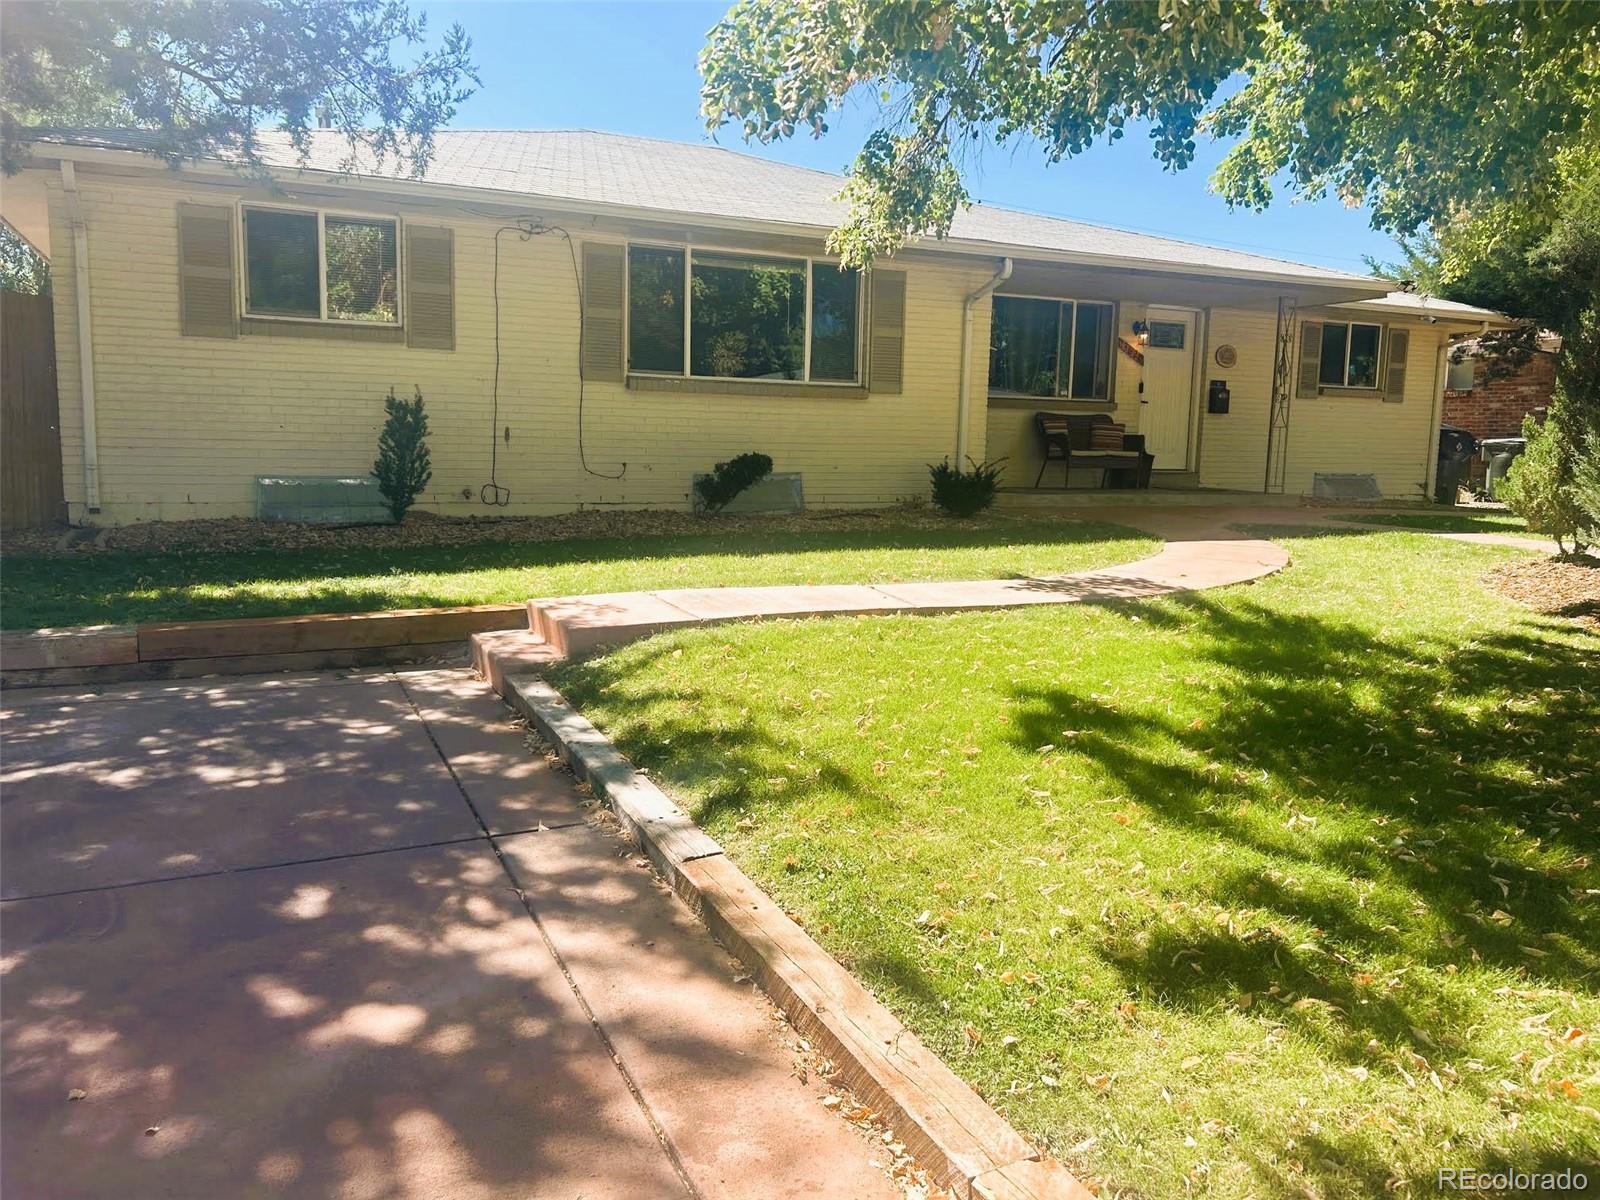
x,y
499,654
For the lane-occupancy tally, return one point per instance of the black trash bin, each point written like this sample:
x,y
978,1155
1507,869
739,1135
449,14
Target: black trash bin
x,y
1456,448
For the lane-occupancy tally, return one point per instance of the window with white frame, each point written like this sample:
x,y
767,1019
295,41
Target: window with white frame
x,y
1461,374
1056,348
716,314
321,266
1350,355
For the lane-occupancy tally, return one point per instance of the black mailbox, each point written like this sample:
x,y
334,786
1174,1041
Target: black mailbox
x,y
1217,396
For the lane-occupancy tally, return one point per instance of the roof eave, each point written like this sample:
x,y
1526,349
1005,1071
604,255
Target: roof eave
x,y
412,188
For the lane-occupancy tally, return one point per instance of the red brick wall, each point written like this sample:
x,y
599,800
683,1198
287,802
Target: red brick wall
x,y
1495,407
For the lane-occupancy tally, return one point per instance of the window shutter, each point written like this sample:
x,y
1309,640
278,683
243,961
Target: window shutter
x,y
1306,387
603,274
1394,379
887,338
207,298
430,298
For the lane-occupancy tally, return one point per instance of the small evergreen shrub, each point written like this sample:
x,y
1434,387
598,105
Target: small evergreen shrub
x,y
717,490
1542,490
963,493
403,468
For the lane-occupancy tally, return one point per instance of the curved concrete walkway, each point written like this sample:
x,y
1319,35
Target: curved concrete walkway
x,y
1201,551
1204,548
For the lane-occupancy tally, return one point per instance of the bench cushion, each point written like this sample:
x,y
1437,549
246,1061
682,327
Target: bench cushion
x,y
1105,435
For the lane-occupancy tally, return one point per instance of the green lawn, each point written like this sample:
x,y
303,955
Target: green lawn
x,y
36,592
1286,890
1456,522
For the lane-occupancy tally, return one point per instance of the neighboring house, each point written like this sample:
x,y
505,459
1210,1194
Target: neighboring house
x,y
1489,404
594,318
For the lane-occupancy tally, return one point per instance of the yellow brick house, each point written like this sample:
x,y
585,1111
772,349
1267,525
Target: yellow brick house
x,y
594,318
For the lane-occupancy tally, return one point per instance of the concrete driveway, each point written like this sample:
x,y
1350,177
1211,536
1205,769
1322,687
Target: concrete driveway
x,y
345,936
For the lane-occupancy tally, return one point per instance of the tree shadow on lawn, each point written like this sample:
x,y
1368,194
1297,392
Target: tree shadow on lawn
x,y
723,768
123,588
1467,817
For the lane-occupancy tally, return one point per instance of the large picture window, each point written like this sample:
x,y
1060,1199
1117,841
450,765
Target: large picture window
x,y
321,266
1054,348
715,314
1350,355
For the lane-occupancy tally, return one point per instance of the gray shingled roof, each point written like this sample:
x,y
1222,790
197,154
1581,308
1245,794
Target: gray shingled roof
x,y
702,180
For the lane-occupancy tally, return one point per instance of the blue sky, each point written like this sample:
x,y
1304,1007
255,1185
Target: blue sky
x,y
630,68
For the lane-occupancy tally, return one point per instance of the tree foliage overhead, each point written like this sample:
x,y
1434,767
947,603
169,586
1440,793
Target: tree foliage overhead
x,y
1423,109
203,75
22,268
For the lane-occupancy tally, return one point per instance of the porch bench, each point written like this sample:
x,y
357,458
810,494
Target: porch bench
x,y
1070,439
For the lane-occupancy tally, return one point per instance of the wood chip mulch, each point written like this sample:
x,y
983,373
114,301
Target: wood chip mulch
x,y
1561,587
428,529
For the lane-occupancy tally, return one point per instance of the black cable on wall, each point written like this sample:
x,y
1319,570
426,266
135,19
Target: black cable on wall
x,y
494,493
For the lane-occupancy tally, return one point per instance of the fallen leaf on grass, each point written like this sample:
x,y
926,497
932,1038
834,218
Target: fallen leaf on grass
x,y
1100,1083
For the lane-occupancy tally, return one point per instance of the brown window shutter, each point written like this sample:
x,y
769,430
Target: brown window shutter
x,y
1308,383
430,298
1394,379
207,298
886,341
603,275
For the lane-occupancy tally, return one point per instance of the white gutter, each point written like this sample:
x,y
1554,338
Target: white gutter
x,y
964,403
80,287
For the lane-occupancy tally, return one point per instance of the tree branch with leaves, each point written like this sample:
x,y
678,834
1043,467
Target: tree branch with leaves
x,y
1420,108
204,75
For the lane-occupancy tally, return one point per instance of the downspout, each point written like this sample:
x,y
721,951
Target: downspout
x,y
964,404
80,287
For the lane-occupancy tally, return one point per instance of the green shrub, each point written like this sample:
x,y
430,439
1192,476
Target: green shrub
x,y
1542,489
963,493
403,468
717,490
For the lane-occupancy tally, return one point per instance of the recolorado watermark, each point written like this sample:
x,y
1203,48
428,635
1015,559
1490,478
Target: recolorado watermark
x,y
1521,1183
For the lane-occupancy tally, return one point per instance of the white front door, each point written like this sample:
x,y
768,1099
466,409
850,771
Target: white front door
x,y
1168,387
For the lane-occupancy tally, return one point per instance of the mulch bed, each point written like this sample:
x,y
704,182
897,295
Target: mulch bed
x,y
428,529
1561,587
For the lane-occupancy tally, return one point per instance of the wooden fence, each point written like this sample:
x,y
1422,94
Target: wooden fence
x,y
30,419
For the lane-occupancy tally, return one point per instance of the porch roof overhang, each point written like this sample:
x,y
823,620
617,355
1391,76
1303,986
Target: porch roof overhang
x,y
1418,307
1157,283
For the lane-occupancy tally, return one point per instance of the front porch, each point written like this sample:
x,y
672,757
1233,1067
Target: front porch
x,y
1158,495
